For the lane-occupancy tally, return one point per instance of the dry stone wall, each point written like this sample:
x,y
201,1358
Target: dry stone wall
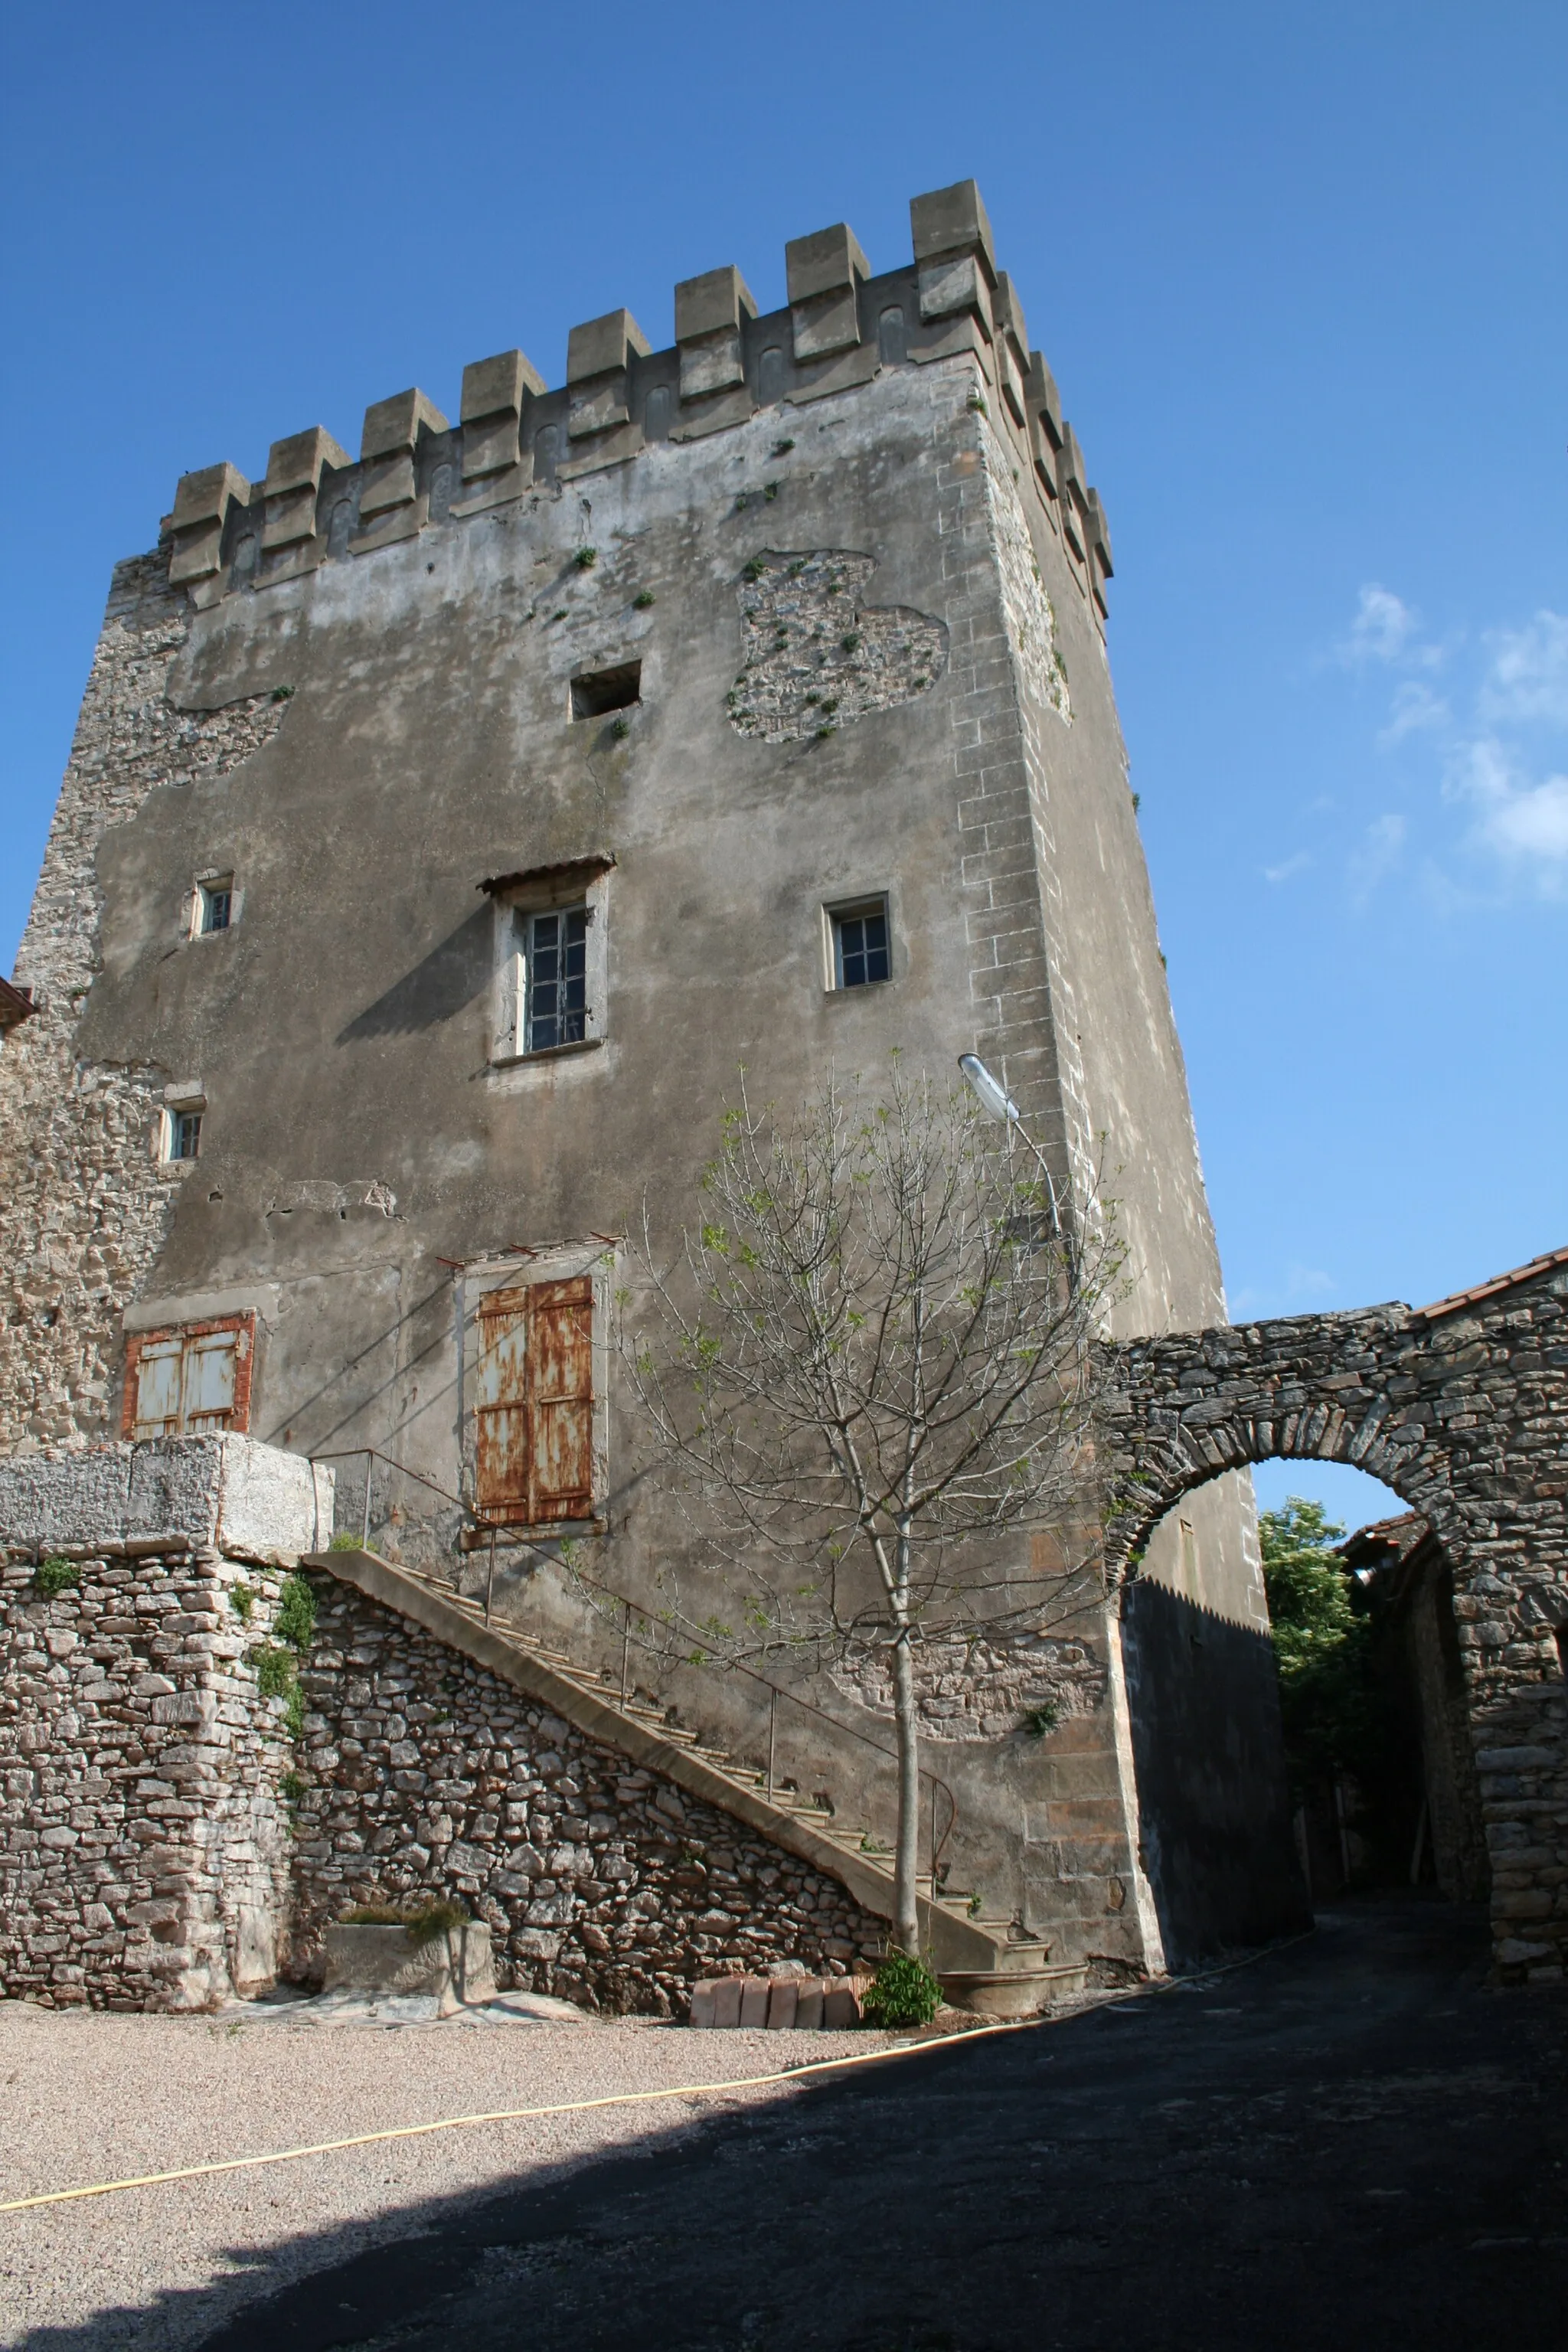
x,y
84,1204
426,1776
143,1826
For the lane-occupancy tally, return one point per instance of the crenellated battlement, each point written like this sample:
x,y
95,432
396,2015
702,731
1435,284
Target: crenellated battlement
x,y
515,438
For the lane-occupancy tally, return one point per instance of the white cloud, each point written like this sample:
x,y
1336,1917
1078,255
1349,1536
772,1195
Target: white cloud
x,y
1518,819
1498,742
1534,823
1384,627
1378,852
1416,710
1292,866
1528,675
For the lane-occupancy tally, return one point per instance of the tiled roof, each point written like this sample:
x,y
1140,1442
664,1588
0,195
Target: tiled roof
x,y
1498,1282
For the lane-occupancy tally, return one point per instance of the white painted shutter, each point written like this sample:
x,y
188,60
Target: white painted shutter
x,y
158,1388
209,1382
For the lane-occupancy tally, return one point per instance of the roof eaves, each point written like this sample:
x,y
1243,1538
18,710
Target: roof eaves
x,y
596,862
1451,1306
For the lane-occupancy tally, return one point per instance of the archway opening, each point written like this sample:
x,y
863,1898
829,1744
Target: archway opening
x,y
1295,1706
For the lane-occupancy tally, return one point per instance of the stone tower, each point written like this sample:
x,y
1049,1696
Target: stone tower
x,y
442,827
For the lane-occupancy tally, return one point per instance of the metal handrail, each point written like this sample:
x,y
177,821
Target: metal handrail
x,y
374,1453
808,1706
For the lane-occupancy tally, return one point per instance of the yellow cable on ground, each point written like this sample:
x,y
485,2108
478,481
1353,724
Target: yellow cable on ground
x,y
631,2098
509,2115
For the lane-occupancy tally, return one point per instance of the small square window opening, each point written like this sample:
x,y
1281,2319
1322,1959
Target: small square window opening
x,y
183,1134
557,978
862,952
594,693
215,905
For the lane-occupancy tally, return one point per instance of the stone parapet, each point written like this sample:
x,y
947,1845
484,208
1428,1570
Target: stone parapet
x,y
842,325
231,1495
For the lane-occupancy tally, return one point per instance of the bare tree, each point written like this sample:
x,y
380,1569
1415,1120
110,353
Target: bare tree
x,y
869,1363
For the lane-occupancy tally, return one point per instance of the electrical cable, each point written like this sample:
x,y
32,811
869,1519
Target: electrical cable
x,y
625,2098
509,2115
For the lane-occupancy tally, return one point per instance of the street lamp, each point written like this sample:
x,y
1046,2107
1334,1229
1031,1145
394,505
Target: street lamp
x,y
995,1099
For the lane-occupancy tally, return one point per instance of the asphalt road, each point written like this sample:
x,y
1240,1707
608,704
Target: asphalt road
x,y
1349,2142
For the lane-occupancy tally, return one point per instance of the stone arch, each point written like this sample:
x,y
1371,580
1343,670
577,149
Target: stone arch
x,y
1239,1446
1461,1409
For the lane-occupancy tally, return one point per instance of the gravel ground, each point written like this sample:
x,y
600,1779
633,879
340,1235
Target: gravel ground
x,y
86,2097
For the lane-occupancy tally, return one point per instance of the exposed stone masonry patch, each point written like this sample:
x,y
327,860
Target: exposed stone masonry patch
x,y
815,658
427,1775
1025,602
984,1689
144,1851
84,1207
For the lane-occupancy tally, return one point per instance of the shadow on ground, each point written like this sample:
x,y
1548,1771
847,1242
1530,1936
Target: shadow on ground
x,y
1348,2141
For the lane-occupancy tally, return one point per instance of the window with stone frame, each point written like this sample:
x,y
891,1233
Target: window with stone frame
x,y
190,1380
215,905
551,960
862,943
533,1404
555,978
182,1134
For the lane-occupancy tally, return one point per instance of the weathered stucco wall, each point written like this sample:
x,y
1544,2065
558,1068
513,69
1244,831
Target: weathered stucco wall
x,y
364,711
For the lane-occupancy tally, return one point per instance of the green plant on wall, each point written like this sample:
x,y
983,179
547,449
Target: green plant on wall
x,y
54,1576
296,1620
276,1662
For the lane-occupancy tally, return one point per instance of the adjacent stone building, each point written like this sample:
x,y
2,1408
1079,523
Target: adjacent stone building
x,y
445,825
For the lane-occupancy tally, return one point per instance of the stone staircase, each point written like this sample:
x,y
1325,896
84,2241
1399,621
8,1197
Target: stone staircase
x,y
1007,1976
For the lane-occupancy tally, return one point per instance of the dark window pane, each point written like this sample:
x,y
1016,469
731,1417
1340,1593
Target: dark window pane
x,y
186,1139
558,980
218,907
863,952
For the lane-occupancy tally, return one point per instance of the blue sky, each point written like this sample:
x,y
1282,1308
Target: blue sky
x,y
1300,277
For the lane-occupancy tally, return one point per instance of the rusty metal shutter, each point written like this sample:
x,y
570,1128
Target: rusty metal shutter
x,y
533,1406
501,1408
561,1400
